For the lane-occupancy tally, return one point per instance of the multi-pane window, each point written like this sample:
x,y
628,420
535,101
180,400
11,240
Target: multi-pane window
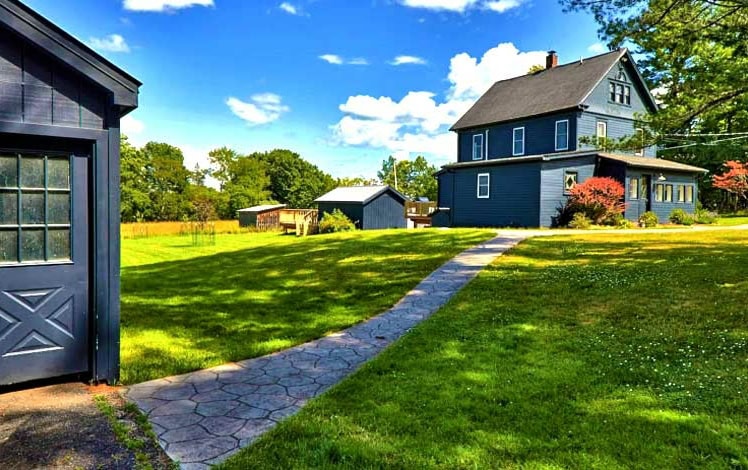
x,y
689,193
634,188
35,210
484,191
562,135
659,192
619,93
570,180
668,193
518,136
478,147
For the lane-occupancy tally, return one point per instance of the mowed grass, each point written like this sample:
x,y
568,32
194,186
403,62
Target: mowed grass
x,y
732,220
597,351
185,308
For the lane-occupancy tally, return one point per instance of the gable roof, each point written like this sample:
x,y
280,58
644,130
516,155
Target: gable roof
x,y
49,37
560,88
629,160
358,194
262,208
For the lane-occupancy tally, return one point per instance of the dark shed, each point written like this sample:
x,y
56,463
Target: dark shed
x,y
260,216
60,110
369,207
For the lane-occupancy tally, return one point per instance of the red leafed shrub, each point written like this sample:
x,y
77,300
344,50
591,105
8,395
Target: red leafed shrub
x,y
600,199
734,180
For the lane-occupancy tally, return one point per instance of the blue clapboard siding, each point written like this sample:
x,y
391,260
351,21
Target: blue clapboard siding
x,y
35,89
617,128
540,137
599,101
514,196
636,207
552,196
384,211
352,210
446,180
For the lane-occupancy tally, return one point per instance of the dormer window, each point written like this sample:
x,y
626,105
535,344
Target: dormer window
x,y
478,147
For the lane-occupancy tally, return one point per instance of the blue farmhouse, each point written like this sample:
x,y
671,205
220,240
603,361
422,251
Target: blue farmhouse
x,y
519,150
369,207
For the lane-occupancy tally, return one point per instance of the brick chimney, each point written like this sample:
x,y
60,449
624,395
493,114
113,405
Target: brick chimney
x,y
551,60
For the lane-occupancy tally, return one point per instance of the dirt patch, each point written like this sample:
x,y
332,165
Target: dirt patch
x,y
60,426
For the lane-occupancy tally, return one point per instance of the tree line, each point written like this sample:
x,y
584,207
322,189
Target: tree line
x,y
156,185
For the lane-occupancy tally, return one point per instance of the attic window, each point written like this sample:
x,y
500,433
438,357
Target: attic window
x,y
619,93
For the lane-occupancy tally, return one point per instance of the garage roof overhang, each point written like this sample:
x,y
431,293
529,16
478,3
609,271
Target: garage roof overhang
x,y
41,32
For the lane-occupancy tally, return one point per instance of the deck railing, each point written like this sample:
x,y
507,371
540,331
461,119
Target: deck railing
x,y
419,209
303,221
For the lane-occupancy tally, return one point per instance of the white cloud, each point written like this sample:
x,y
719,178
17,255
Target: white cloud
x,y
111,43
419,122
448,5
163,5
131,126
408,60
597,48
289,8
461,6
338,60
262,108
500,6
332,59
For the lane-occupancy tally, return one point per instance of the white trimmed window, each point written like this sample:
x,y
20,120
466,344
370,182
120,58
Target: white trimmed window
x,y
562,135
668,193
518,147
689,193
639,152
659,192
634,188
478,147
681,193
484,183
601,132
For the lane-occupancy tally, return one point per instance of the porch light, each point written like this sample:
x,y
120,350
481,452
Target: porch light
x,y
661,177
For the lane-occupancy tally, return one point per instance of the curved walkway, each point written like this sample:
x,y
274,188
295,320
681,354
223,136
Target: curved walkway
x,y
204,417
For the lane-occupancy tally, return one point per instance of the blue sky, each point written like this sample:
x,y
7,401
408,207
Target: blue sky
x,y
343,82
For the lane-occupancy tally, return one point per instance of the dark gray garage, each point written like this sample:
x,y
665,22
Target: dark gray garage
x,y
60,110
369,207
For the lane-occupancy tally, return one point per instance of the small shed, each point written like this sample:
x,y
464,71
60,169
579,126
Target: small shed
x,y
369,207
60,110
262,217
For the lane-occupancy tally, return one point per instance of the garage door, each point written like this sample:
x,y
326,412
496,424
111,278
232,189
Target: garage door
x,y
44,267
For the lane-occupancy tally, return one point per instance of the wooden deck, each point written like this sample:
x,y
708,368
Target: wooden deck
x,y
302,221
420,212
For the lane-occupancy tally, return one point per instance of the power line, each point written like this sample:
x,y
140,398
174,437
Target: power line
x,y
705,135
707,143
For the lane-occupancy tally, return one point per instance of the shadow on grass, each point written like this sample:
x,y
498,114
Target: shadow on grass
x,y
527,370
185,315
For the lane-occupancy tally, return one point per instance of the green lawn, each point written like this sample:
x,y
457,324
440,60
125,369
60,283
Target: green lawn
x,y
605,351
186,308
731,220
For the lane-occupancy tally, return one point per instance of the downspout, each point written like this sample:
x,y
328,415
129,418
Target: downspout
x,y
486,152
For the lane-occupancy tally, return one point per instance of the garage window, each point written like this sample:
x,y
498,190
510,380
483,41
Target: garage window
x,y
35,198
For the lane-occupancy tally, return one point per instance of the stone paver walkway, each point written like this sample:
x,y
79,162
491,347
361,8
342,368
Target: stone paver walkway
x,y
204,417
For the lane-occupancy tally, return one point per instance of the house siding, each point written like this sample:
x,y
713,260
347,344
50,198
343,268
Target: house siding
x,y
384,211
35,89
445,180
514,198
540,137
552,196
617,128
599,101
353,211
636,207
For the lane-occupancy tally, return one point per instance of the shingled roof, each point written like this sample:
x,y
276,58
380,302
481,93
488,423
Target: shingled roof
x,y
555,89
